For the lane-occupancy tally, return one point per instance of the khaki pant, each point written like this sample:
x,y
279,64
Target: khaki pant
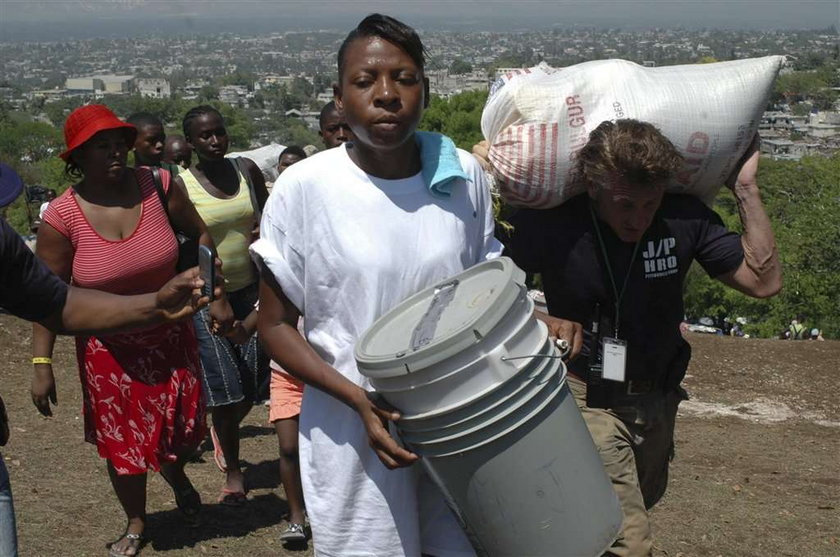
x,y
636,444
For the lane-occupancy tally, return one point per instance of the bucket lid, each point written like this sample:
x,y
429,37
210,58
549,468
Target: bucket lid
x,y
441,320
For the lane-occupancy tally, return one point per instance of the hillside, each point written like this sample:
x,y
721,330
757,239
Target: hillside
x,y
756,469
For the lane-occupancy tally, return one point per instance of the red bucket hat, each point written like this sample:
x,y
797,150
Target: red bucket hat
x,y
86,121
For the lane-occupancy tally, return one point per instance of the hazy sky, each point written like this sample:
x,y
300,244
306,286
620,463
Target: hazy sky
x,y
95,17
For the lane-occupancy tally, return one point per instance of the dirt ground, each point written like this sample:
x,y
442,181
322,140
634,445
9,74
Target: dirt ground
x,y
757,470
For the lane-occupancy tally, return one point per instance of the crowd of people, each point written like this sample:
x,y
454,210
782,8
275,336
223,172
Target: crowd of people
x,y
346,234
798,330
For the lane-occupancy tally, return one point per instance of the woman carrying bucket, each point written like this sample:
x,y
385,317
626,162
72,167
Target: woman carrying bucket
x,y
348,234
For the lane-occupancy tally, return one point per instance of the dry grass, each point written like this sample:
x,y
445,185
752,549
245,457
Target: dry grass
x,y
741,484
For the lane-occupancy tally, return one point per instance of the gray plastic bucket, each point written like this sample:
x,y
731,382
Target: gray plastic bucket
x,y
537,371
485,404
538,490
470,373
497,412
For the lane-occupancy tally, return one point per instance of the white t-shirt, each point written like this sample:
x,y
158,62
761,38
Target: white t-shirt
x,y
346,247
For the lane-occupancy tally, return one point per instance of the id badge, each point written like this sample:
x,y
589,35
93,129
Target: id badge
x,y
615,359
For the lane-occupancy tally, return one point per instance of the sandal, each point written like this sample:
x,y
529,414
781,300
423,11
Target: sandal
x,y
135,542
218,454
232,498
293,533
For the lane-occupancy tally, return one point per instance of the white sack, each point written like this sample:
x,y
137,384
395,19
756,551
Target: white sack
x,y
536,120
264,157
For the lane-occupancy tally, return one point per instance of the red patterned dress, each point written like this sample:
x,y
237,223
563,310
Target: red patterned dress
x,y
142,390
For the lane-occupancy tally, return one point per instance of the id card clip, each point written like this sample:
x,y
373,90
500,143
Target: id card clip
x,y
615,359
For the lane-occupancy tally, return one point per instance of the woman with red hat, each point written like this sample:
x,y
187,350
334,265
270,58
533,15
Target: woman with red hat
x,y
143,404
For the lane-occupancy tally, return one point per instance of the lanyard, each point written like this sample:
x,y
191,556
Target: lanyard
x,y
618,295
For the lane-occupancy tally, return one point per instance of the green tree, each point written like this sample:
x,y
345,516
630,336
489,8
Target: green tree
x,y
240,127
285,100
814,86
516,58
803,201
292,131
458,117
29,142
208,93
259,100
246,79
32,149
58,111
301,89
323,81
298,95
459,67
801,109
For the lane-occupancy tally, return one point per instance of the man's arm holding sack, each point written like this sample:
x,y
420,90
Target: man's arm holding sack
x,y
760,274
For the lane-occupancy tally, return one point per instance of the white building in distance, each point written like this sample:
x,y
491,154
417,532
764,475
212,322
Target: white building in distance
x,y
233,94
103,84
154,87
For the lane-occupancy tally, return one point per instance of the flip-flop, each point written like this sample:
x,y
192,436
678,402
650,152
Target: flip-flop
x,y
136,542
232,498
218,454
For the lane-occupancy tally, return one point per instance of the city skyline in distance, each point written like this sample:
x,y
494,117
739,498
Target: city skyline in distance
x,y
81,19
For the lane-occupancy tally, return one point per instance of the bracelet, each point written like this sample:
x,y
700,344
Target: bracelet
x,y
41,360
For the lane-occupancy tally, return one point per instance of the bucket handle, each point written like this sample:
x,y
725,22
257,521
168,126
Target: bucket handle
x,y
561,343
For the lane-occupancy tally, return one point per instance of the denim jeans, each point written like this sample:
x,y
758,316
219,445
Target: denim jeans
x,y
8,533
232,372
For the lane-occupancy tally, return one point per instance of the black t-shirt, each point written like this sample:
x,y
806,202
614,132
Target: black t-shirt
x,y
27,288
562,245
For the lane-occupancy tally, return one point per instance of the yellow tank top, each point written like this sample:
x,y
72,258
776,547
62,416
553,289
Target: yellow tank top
x,y
230,222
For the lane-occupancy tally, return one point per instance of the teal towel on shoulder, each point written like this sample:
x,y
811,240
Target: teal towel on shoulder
x,y
439,161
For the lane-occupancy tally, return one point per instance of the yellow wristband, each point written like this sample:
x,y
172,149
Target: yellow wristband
x,y
42,360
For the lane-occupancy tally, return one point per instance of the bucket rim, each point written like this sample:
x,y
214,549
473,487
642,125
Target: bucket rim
x,y
555,391
437,412
486,417
531,415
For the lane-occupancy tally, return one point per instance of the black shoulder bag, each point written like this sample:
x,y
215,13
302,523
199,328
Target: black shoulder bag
x,y
240,166
187,247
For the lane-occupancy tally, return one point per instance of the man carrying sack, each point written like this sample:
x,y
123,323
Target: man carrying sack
x,y
615,259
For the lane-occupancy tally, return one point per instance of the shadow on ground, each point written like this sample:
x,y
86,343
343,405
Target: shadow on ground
x,y
167,531
251,431
262,475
